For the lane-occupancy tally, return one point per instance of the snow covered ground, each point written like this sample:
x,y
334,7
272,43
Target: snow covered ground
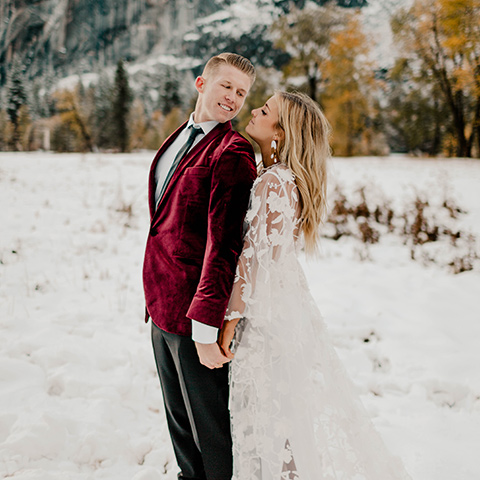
x,y
79,395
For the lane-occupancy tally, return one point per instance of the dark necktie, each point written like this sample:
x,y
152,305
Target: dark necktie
x,y
181,153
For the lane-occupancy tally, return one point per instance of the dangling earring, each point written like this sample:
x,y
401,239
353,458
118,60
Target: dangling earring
x,y
274,156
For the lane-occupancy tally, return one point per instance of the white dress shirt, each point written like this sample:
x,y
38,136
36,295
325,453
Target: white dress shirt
x,y
201,332
168,157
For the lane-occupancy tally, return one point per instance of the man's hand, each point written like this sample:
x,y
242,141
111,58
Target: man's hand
x,y
225,337
210,355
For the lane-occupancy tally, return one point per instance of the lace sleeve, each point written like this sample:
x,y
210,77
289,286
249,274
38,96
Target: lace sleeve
x,y
272,221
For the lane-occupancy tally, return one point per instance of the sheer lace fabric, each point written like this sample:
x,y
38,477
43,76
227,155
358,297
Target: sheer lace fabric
x,y
295,414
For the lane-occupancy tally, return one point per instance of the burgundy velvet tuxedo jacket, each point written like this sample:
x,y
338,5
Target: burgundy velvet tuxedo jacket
x,y
195,233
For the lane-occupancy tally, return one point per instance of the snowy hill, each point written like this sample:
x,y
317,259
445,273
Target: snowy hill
x,y
62,38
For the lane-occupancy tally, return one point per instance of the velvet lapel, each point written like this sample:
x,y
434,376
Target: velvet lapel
x,y
220,129
151,178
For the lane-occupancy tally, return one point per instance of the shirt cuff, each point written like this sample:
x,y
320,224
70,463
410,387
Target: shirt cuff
x,y
203,333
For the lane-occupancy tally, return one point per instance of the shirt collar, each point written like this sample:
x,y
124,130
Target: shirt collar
x,y
206,127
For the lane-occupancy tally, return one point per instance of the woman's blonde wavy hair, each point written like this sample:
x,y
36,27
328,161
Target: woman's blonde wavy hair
x,y
305,150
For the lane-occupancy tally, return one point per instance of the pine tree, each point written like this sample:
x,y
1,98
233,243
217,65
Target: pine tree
x,y
351,3
35,101
24,128
102,120
16,97
169,97
122,98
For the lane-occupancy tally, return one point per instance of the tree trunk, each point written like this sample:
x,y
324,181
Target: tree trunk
x,y
437,133
475,135
350,128
312,87
478,138
454,98
463,149
83,129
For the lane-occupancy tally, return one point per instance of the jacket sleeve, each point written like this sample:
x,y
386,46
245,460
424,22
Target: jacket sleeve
x,y
233,174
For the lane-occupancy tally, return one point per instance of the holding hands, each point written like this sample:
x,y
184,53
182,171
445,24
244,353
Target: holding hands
x,y
225,337
215,355
211,355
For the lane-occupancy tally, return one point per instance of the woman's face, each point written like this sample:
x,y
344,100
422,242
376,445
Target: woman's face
x,y
263,125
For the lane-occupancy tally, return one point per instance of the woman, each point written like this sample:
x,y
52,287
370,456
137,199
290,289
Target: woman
x,y
294,410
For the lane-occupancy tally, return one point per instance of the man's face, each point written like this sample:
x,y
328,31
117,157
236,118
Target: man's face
x,y
221,95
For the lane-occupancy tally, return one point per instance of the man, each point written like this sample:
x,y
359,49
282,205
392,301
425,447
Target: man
x,y
198,194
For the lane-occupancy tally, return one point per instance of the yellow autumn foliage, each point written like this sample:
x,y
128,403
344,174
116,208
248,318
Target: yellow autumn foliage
x,y
443,37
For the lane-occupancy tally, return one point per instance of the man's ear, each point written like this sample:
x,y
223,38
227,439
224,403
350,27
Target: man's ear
x,y
200,84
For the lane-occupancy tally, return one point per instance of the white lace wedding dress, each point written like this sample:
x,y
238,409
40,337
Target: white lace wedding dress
x,y
295,414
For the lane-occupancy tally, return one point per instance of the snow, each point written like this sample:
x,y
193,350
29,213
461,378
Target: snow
x,y
79,394
87,79
236,20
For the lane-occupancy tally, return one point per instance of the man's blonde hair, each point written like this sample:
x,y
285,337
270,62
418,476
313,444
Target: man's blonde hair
x,y
226,58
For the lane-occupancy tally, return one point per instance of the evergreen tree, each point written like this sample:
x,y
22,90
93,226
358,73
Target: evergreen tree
x,y
122,98
16,97
351,3
24,129
35,100
48,100
285,5
103,112
169,97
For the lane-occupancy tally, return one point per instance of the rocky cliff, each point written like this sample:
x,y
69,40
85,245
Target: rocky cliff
x,y
77,36
60,38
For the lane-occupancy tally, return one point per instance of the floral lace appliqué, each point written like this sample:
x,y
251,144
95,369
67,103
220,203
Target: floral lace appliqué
x,y
295,413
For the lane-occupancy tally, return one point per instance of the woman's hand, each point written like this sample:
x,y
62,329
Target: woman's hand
x,y
210,355
225,337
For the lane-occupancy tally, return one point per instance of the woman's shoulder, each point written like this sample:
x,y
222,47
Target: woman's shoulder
x,y
276,181
276,175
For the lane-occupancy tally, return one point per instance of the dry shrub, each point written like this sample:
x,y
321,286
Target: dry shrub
x,y
353,218
466,262
367,233
339,215
418,226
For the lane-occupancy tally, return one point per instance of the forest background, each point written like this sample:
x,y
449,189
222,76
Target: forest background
x,y
118,76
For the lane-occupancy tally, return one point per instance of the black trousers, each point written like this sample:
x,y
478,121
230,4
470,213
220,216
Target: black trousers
x,y
196,405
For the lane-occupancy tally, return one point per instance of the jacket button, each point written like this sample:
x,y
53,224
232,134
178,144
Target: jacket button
x,y
153,232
